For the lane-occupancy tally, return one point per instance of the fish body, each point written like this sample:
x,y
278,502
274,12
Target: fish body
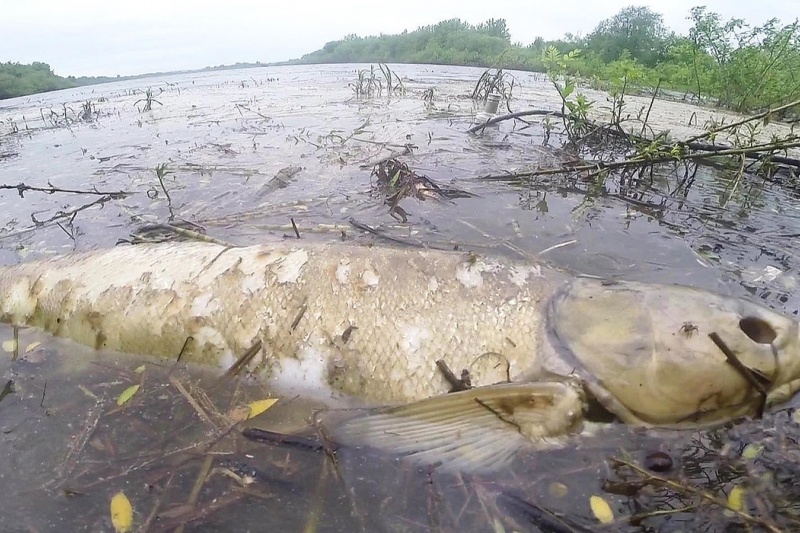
x,y
367,322
371,322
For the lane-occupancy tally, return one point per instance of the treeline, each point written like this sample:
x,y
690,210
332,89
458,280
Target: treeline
x,y
738,66
21,80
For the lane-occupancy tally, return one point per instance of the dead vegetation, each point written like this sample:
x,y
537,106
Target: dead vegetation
x,y
370,84
395,181
494,81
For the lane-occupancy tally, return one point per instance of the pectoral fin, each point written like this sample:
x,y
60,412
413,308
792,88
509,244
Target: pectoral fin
x,y
476,430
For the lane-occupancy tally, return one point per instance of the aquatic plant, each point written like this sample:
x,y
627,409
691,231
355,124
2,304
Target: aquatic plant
x,y
148,100
394,85
88,112
368,84
574,111
494,80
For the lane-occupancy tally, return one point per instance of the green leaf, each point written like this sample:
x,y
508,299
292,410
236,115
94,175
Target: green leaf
x,y
127,394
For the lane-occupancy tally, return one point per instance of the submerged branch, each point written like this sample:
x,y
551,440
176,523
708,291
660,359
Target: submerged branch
x,y
22,189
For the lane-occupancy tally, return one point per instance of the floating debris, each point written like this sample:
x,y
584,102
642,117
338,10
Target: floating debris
x,y
121,513
396,181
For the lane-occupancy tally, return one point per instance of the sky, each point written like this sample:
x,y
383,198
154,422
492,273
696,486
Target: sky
x,y
93,38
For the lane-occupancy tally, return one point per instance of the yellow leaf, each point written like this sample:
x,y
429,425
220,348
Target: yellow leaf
x,y
259,406
121,513
10,346
557,489
602,511
139,369
751,451
127,394
32,346
736,498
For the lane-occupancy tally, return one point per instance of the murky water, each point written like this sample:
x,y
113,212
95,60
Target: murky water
x,y
224,137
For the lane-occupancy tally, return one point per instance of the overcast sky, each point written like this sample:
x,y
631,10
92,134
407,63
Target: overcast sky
x,y
89,37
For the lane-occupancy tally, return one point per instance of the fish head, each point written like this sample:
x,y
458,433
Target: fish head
x,y
665,355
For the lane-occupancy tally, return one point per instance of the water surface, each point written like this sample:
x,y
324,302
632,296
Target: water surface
x,y
66,445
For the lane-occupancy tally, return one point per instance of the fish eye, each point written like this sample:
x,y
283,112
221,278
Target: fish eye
x,y
758,329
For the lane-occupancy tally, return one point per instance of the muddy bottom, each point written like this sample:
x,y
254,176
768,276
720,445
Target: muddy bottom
x,y
264,154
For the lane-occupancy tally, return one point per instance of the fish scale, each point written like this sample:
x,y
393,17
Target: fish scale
x,y
404,309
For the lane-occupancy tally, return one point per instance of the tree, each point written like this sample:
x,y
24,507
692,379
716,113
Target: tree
x,y
495,28
636,29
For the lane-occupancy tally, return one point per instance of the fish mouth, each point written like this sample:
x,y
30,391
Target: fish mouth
x,y
670,355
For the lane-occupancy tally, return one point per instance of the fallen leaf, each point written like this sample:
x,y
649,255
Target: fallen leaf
x,y
736,498
259,406
139,369
32,346
602,511
10,346
127,394
121,513
751,451
557,489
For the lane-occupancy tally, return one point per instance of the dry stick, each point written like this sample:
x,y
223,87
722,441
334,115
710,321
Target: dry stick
x,y
739,175
157,505
240,363
407,150
198,485
369,229
690,143
189,234
649,108
217,504
706,496
456,384
15,355
744,371
52,221
22,188
754,151
166,193
543,518
196,406
89,427
601,166
312,523
743,121
518,114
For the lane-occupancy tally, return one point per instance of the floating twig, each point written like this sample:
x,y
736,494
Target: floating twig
x,y
456,384
748,374
22,189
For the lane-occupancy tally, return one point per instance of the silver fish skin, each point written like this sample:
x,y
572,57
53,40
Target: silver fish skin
x,y
366,322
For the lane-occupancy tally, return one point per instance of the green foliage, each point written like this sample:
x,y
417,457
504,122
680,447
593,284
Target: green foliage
x,y
745,68
727,62
576,109
635,31
20,80
451,42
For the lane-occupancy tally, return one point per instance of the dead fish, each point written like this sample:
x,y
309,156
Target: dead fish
x,y
371,322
